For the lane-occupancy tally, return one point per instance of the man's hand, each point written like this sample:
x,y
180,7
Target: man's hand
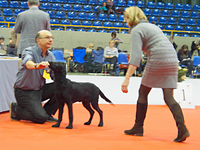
x,y
42,65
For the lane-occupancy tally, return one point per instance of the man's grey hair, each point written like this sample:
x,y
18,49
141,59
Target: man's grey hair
x,y
33,2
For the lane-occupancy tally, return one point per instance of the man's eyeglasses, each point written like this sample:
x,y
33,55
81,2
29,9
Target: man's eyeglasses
x,y
48,38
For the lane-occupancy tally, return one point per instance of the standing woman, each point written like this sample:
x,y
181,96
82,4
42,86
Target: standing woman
x,y
160,72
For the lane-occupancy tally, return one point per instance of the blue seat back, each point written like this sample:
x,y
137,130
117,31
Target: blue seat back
x,y
79,55
98,56
196,60
122,58
58,55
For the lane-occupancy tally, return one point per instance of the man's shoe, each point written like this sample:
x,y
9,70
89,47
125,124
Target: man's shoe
x,y
52,119
13,106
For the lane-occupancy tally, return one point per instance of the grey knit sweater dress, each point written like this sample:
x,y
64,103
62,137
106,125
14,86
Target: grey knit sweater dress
x,y
161,69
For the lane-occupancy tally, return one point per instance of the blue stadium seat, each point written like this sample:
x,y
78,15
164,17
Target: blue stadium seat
x,y
86,23
63,1
172,21
72,1
152,18
97,23
169,6
112,17
77,7
96,8
92,16
92,2
176,34
24,5
3,26
60,14
82,16
52,1
175,13
3,3
196,7
82,1
103,17
121,3
108,24
54,21
10,19
160,26
185,14
124,32
197,29
118,24
7,12
187,7
70,29
179,28
198,22
67,7
46,6
65,22
72,15
14,4
166,13
43,0
51,13
1,19
162,20
169,27
56,6
147,11
101,1
17,11
194,14
140,4
76,22
166,34
160,5
59,29
179,6
192,22
102,31
87,8
186,35
195,35
92,30
130,3
182,21
81,30
189,28
156,12
151,4
121,18
113,31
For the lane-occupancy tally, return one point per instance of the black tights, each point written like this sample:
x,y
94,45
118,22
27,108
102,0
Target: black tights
x,y
144,91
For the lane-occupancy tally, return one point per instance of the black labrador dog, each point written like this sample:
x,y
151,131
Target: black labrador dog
x,y
69,92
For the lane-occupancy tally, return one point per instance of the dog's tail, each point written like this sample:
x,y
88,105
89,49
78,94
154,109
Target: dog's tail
x,y
104,97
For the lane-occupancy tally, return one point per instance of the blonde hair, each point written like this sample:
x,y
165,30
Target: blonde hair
x,y
133,15
112,41
91,45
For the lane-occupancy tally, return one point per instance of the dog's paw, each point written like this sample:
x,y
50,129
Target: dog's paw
x,y
87,123
56,125
100,125
69,127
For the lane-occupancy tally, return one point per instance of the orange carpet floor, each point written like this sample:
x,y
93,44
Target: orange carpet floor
x,y
159,131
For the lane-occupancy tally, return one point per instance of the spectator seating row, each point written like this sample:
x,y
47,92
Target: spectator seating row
x,y
124,3
168,13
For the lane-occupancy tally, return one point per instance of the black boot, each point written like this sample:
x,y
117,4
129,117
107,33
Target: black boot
x,y
140,116
178,116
